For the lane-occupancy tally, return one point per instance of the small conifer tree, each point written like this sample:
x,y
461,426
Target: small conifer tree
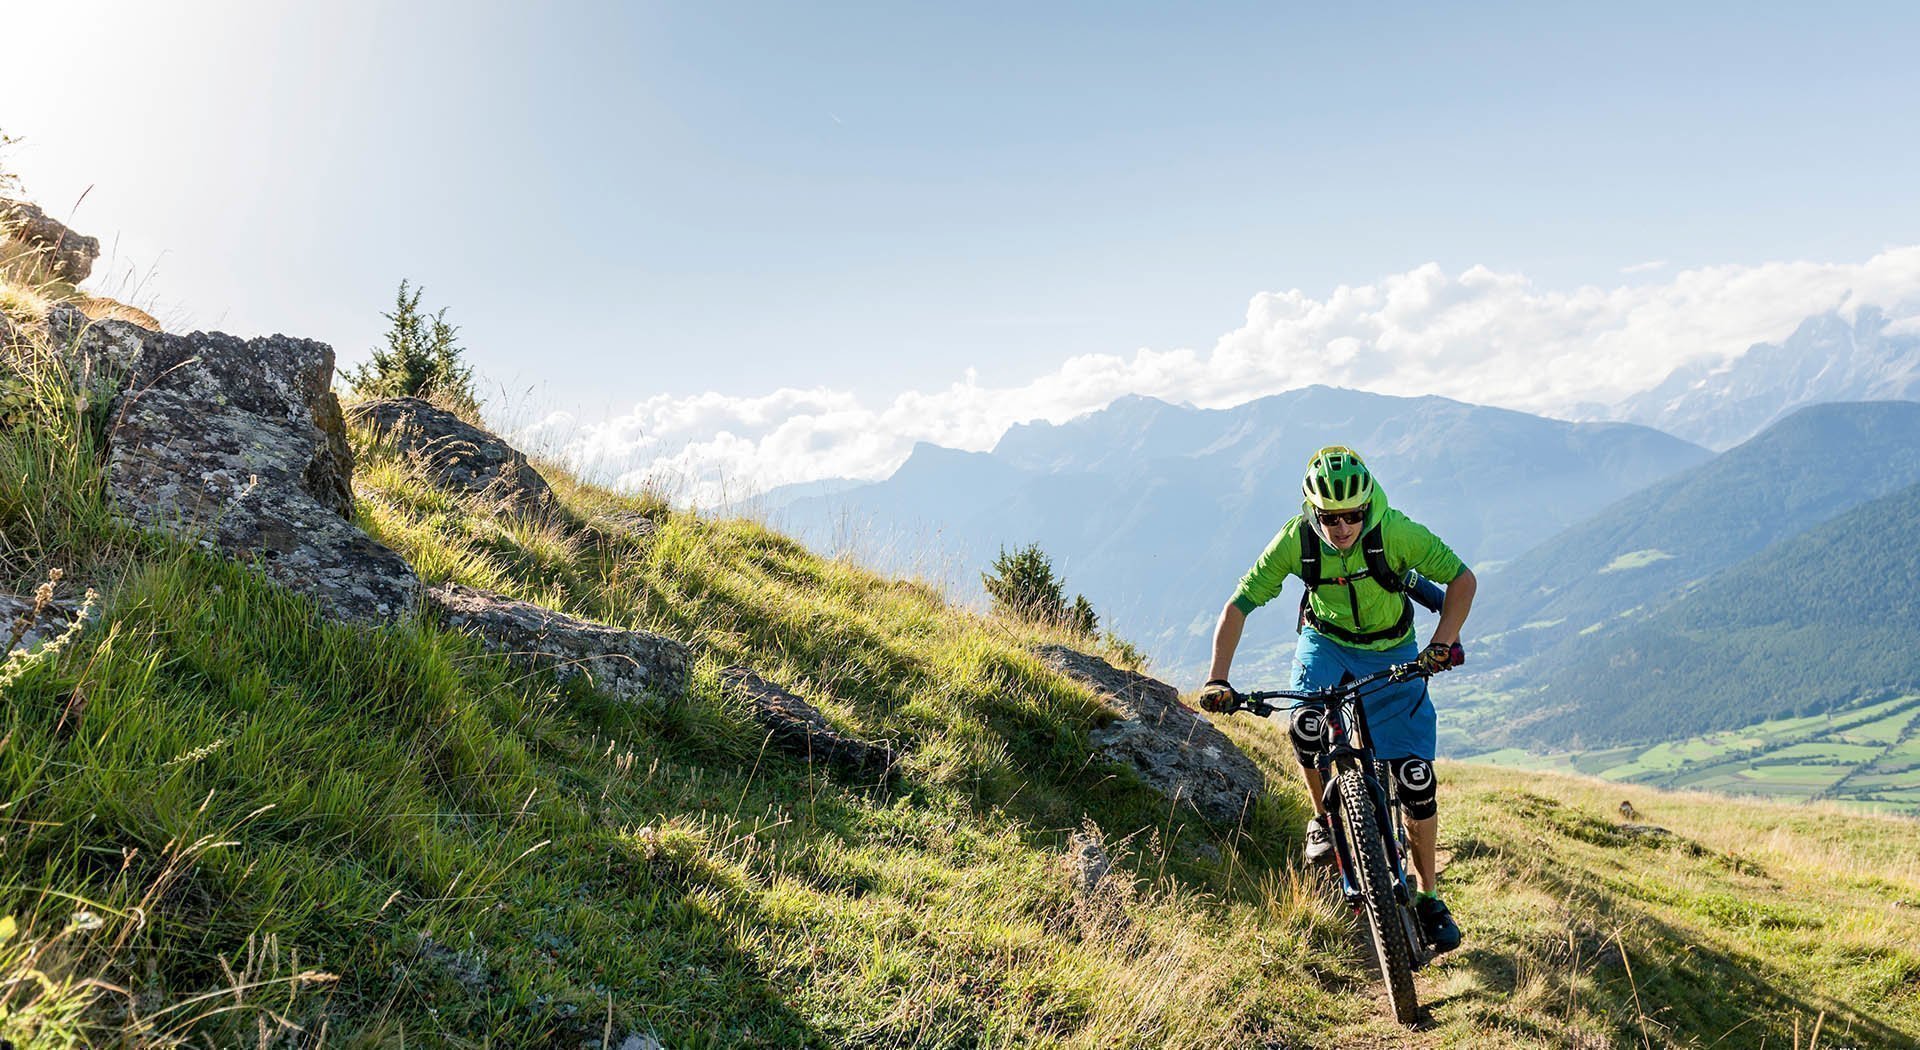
x,y
1081,619
422,359
1022,585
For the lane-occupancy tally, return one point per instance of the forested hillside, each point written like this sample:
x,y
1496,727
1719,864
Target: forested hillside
x,y
1820,620
1648,547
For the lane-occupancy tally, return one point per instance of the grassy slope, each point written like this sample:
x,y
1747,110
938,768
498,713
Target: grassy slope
x,y
241,794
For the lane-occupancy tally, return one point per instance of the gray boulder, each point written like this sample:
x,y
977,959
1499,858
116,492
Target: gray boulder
x,y
621,663
457,455
240,446
798,728
37,247
1173,749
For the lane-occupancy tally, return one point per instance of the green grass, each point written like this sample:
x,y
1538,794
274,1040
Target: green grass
x,y
240,817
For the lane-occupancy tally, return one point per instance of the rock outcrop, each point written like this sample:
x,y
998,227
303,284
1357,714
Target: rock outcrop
x,y
456,455
239,445
798,728
1173,749
624,664
35,247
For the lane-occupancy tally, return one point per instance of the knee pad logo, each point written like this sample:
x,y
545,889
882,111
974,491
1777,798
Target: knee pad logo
x,y
1416,775
1309,724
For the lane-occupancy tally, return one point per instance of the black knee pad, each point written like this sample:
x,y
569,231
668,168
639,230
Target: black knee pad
x,y
1309,732
1414,781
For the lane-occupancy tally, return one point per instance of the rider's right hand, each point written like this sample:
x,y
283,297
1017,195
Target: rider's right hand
x,y
1217,696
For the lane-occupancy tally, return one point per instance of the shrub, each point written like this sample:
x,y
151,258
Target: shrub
x,y
422,359
1022,585
1080,617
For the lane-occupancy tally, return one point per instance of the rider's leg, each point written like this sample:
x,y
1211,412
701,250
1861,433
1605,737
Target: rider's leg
x,y
1414,782
1317,663
1308,731
1315,785
1420,838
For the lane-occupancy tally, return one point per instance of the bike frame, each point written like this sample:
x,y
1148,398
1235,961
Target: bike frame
x,y
1350,749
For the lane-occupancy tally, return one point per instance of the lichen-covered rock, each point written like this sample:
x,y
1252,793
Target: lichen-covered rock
x,y
624,664
1174,750
35,247
798,728
238,445
457,455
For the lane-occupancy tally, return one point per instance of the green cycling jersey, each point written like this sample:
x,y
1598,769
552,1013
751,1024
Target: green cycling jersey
x,y
1409,545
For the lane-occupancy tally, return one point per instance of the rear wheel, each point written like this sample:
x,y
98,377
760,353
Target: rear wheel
x,y
1389,933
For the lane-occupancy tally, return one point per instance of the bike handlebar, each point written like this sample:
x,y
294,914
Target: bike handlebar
x,y
1257,701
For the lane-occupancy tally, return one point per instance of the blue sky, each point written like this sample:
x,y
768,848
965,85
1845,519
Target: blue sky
x,y
700,205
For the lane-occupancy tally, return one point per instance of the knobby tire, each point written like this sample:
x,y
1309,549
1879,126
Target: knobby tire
x,y
1390,945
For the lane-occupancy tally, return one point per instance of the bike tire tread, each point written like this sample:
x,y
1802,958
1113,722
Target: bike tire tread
x,y
1389,937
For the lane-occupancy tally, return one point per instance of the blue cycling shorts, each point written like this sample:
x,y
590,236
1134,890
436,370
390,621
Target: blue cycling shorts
x,y
1399,716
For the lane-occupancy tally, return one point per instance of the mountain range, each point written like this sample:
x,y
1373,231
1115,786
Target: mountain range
x,y
1611,555
1829,357
1154,510
1653,544
1820,620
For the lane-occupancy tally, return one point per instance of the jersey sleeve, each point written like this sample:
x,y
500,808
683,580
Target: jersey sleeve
x,y
1262,583
1416,547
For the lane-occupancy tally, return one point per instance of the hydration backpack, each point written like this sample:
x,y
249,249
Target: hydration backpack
x,y
1374,549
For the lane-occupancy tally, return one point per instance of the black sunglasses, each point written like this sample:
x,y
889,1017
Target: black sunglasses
x,y
1346,517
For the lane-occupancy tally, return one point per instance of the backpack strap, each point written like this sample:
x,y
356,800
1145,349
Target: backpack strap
x,y
1373,548
1341,634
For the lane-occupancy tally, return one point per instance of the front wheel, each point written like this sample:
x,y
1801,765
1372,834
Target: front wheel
x,y
1390,945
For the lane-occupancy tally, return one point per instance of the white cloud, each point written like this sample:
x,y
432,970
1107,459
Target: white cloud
x,y
1481,336
1645,267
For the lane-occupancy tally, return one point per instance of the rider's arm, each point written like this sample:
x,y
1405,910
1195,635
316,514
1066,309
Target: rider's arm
x,y
1453,611
1259,586
1226,638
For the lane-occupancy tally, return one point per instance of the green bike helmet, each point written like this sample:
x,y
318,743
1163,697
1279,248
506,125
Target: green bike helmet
x,y
1337,479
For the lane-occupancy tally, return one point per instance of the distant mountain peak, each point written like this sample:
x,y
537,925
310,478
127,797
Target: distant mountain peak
x,y
1860,355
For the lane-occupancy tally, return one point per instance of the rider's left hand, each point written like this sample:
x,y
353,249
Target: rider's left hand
x,y
1439,656
1217,697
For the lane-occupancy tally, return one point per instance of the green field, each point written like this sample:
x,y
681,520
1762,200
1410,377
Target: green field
x,y
1866,755
1636,560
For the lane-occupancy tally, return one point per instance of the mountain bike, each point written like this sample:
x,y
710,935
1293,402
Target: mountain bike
x,y
1368,829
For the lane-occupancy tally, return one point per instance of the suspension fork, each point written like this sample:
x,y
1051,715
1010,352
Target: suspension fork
x,y
1385,799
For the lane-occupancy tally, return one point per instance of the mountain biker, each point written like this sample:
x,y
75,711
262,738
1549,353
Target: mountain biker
x,y
1352,623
